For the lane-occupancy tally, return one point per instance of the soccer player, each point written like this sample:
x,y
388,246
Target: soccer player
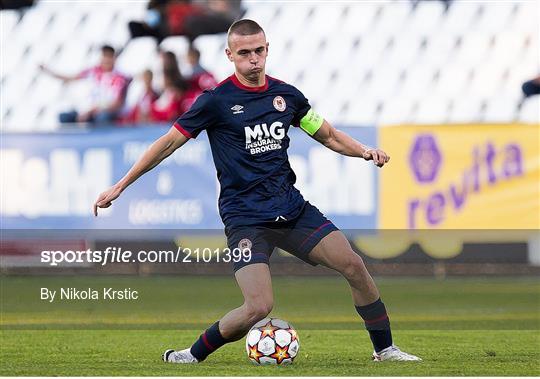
x,y
247,117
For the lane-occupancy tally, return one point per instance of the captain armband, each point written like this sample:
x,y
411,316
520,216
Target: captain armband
x,y
311,122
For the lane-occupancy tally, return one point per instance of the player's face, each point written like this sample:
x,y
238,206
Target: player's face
x,y
107,62
248,53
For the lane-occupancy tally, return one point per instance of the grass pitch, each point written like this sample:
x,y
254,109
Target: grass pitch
x,y
458,326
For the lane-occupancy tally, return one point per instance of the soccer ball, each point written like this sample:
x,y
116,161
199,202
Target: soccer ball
x,y
272,341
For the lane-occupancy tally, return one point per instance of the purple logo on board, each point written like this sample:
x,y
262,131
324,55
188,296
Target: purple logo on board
x,y
425,158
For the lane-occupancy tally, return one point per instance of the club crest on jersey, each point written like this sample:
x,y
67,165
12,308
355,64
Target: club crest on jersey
x,y
279,103
245,244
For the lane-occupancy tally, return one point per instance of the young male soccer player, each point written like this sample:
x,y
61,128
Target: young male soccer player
x,y
247,117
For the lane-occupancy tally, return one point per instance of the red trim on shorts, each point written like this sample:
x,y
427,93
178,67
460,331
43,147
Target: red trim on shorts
x,y
315,231
182,130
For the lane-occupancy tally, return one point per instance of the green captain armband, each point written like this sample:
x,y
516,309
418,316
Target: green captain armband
x,y
311,122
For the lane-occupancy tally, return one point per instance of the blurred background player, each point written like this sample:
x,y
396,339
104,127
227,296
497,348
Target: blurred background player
x,y
170,103
141,111
199,76
108,93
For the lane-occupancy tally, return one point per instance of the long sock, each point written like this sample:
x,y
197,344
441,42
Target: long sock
x,y
208,342
377,324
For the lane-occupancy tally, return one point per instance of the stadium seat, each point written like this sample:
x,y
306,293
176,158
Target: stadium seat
x,y
418,82
453,81
471,50
370,50
500,109
212,48
426,17
439,48
359,18
15,88
333,111
64,24
32,26
287,23
95,27
460,17
177,44
526,17
392,19
386,80
364,112
465,110
359,61
431,110
267,11
403,50
530,110
8,21
486,81
328,14
396,110
502,12
137,56
72,58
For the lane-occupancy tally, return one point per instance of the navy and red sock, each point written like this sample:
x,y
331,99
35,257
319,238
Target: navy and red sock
x,y
208,342
377,324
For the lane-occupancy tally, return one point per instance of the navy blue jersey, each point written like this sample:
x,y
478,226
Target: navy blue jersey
x,y
247,129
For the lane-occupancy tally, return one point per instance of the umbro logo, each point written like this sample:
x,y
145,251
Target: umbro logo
x,y
237,109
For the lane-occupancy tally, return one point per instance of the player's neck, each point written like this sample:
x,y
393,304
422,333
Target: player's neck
x,y
261,80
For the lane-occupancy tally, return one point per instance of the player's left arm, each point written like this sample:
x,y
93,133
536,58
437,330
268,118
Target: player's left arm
x,y
340,142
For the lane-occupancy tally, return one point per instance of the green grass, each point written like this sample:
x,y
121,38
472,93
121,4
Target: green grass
x,y
459,326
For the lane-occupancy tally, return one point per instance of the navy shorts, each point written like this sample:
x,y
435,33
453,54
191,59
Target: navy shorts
x,y
298,237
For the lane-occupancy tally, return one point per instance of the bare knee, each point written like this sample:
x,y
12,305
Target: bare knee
x,y
257,310
354,267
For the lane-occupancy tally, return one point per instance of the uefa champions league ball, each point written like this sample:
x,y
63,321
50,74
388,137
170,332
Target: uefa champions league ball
x,y
272,341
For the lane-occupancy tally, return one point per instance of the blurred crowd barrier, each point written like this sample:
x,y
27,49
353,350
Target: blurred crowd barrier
x,y
464,194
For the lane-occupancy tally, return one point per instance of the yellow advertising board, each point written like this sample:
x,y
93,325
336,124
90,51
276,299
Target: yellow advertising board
x,y
460,177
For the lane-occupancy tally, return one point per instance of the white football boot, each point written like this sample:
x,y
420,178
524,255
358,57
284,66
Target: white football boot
x,y
182,356
393,353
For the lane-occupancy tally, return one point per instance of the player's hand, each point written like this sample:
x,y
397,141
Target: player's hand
x,y
106,198
378,156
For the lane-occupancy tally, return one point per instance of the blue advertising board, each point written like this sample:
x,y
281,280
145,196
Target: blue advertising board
x,y
51,180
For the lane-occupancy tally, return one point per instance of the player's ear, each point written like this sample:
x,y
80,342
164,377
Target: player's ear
x,y
267,44
229,53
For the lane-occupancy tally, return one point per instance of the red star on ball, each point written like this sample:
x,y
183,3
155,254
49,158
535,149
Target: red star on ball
x,y
255,354
268,330
281,354
294,335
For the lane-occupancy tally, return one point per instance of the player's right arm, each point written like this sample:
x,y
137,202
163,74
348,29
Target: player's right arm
x,y
65,78
158,151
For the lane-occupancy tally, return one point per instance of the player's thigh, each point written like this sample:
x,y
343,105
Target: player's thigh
x,y
303,234
335,251
255,283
